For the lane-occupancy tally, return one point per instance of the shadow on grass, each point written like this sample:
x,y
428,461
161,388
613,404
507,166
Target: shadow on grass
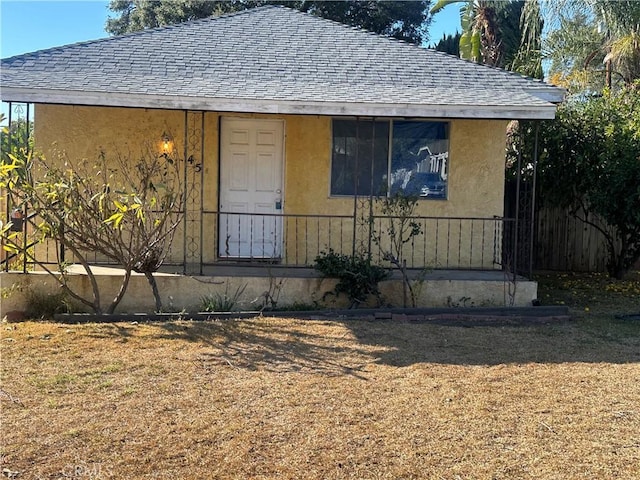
x,y
348,347
274,345
407,344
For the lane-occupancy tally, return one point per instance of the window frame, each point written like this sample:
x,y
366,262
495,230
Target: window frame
x,y
390,121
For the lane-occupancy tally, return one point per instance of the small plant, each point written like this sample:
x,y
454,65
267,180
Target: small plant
x,y
399,229
222,302
358,278
44,306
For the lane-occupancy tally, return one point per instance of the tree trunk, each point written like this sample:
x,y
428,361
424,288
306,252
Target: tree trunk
x,y
92,279
619,264
121,292
154,288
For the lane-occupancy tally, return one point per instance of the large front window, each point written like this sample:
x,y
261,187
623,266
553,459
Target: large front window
x,y
363,162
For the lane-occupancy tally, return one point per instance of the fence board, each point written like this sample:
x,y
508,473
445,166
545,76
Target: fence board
x,y
564,242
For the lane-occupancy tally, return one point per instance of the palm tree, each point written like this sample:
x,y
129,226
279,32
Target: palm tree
x,y
624,56
604,32
621,23
480,40
528,57
594,44
492,32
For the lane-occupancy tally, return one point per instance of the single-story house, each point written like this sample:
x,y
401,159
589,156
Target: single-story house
x,y
291,124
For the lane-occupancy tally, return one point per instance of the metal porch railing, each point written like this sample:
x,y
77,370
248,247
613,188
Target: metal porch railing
x,y
295,240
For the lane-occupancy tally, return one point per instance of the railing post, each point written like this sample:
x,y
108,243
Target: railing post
x,y
24,239
532,229
8,202
62,243
514,254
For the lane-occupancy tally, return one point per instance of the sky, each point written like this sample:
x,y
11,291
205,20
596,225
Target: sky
x,y
30,25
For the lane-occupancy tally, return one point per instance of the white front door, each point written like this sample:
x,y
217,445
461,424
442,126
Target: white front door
x,y
251,169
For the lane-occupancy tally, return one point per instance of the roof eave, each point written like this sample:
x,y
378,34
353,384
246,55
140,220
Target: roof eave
x,y
551,94
111,99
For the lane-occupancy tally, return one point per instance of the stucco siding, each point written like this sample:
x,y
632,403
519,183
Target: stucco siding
x,y
475,177
83,132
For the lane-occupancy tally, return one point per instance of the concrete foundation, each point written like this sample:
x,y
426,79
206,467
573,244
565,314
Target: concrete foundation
x,y
285,287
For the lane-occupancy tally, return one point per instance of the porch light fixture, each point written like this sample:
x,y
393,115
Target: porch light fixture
x,y
166,143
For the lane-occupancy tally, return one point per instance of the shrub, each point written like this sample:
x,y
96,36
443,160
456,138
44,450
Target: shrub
x,y
44,306
222,302
357,277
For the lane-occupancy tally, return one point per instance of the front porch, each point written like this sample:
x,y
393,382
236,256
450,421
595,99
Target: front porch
x,y
453,262
459,258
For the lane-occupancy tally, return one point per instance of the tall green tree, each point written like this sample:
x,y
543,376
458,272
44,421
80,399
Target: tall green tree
x,y
491,30
449,44
589,162
404,20
528,55
576,55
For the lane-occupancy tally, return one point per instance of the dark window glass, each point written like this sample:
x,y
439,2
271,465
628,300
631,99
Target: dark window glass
x,y
360,157
419,158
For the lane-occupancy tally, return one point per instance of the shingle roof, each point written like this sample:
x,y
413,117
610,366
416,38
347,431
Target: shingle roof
x,y
272,59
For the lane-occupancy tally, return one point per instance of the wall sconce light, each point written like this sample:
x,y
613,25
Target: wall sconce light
x,y
166,143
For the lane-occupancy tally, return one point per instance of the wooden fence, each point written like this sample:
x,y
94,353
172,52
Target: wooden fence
x,y
566,243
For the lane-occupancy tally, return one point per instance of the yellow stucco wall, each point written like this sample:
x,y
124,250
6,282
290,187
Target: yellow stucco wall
x,y
476,174
82,132
476,169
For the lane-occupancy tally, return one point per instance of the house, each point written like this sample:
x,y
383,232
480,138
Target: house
x,y
292,125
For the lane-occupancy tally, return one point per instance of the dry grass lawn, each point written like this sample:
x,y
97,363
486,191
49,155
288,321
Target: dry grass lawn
x,y
275,398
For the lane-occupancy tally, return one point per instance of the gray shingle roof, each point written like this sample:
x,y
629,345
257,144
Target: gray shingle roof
x,y
272,59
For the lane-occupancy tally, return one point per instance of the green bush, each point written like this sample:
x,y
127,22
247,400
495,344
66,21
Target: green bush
x,y
357,277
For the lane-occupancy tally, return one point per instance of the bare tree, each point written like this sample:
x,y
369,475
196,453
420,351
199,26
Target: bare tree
x,y
123,209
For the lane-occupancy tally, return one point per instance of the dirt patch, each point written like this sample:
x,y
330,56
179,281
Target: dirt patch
x,y
288,398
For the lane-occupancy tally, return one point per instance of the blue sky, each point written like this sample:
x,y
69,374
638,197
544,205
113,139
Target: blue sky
x,y
28,25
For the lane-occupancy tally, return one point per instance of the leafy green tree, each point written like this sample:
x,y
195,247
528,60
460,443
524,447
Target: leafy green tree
x,y
590,163
404,20
576,55
594,44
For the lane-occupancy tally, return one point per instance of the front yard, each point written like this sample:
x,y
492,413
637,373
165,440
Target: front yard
x,y
271,398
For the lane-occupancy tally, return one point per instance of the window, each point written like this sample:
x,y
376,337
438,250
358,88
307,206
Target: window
x,y
360,157
416,164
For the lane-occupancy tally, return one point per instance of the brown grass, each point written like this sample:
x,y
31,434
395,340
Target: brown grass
x,y
274,398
